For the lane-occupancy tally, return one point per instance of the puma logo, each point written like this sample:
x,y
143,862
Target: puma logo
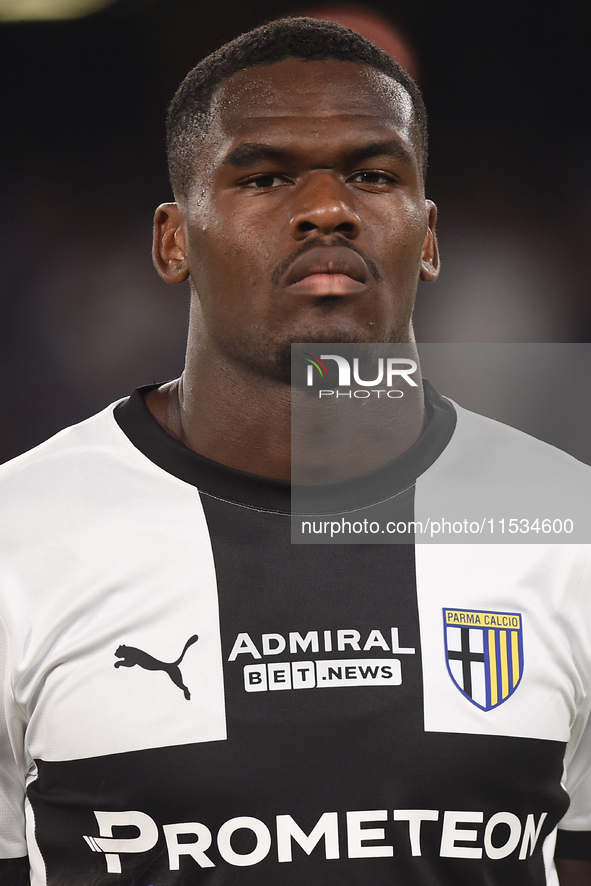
x,y
131,656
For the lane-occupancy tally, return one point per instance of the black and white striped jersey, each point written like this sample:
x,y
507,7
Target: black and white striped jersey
x,y
189,698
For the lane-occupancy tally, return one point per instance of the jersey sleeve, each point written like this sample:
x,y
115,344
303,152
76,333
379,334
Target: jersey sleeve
x,y
574,831
14,867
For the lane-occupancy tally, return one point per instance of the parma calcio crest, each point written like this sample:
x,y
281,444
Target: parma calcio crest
x,y
484,654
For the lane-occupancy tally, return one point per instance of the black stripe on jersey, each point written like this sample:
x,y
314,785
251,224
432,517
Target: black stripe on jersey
x,y
575,845
304,770
136,421
14,872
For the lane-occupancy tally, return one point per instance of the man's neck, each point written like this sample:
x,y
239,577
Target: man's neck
x,y
228,415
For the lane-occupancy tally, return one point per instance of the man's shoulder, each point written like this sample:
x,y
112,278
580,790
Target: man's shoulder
x,y
98,432
492,443
493,475
65,473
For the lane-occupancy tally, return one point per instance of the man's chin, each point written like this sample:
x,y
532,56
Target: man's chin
x,y
272,359
273,362
364,336
283,351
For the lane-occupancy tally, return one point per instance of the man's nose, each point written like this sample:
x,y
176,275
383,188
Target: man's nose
x,y
324,204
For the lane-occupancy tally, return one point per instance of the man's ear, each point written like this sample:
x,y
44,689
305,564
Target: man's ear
x,y
430,254
169,246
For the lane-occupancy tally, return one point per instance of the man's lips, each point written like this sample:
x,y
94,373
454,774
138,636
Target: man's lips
x,y
334,270
327,284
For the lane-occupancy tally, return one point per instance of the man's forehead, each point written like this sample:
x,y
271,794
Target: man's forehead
x,y
297,88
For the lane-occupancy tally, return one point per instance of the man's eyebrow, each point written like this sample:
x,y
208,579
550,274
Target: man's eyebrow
x,y
391,147
252,152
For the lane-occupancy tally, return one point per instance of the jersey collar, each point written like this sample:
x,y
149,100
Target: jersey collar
x,y
211,478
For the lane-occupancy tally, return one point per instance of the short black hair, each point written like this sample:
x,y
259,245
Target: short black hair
x,y
301,38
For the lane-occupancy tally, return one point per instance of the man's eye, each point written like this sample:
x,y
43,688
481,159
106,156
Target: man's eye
x,y
265,181
372,178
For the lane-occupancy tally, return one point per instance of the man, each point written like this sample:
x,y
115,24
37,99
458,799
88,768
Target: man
x,y
172,663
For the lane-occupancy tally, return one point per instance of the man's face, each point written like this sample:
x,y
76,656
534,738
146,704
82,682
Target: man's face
x,y
307,219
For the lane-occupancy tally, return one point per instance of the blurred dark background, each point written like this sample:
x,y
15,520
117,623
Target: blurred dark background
x,y
84,317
